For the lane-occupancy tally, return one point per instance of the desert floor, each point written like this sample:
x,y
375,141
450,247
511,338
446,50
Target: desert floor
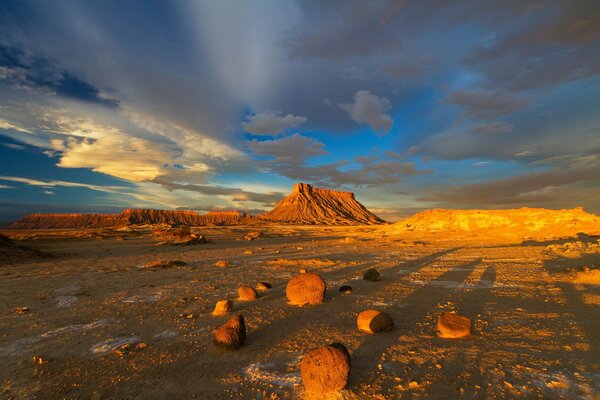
x,y
536,332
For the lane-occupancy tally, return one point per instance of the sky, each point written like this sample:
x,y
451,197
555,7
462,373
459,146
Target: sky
x,y
226,104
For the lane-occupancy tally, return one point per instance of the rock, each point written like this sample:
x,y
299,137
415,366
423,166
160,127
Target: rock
x,y
373,321
346,289
263,286
306,288
222,264
231,335
246,293
222,307
326,369
21,310
40,360
303,270
248,252
253,235
453,326
371,275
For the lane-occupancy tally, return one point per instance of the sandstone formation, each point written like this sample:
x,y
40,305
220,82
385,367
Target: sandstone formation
x,y
326,369
305,289
532,222
263,286
346,289
231,335
246,293
453,326
222,307
372,321
371,275
309,205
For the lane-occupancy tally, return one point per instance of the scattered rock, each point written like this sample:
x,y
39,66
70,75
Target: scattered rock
x,y
307,288
346,289
453,326
164,264
179,236
263,286
371,275
253,235
142,346
246,293
222,264
222,307
231,335
21,310
248,252
373,321
303,270
326,369
186,315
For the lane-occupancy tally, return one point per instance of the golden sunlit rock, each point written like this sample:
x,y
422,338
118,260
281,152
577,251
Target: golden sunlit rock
x,y
372,321
307,288
453,326
325,369
222,307
231,335
247,293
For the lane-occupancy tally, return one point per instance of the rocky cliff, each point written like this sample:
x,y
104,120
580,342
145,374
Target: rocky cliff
x,y
309,205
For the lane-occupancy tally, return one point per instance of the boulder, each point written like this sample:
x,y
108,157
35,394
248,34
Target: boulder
x,y
373,321
371,275
306,288
222,307
231,335
326,369
263,286
246,293
346,289
222,264
453,326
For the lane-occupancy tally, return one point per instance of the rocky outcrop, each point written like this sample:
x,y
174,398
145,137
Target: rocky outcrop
x,y
309,205
522,222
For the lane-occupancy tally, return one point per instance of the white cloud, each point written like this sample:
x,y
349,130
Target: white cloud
x,y
119,155
271,123
371,110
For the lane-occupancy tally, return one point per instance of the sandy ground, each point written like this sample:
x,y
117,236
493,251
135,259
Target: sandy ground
x,y
536,332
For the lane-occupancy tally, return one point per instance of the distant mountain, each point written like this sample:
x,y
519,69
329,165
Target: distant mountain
x,y
310,205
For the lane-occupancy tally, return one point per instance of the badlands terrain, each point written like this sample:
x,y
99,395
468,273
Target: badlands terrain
x,y
89,312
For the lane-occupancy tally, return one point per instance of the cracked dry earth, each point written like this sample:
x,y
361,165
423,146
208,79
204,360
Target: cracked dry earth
x,y
535,334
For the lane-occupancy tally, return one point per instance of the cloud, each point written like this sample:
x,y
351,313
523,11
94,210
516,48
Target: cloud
x,y
371,110
486,105
294,149
271,123
492,128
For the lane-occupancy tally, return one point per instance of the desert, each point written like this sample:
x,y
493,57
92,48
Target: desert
x,y
118,313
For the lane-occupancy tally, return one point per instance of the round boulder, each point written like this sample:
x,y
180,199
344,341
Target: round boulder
x,y
326,369
222,307
306,288
246,293
371,275
263,286
231,335
372,321
453,326
346,289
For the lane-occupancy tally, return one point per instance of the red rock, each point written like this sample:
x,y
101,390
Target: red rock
x,y
246,293
308,288
373,321
231,335
453,326
326,369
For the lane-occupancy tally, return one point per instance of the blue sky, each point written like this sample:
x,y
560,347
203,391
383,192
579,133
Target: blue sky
x,y
225,104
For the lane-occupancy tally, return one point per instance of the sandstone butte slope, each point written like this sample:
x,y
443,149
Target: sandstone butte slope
x,y
525,222
310,205
126,218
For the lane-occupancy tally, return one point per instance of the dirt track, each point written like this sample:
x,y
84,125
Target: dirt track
x,y
536,334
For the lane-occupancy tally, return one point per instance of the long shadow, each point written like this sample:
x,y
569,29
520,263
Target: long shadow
x,y
366,357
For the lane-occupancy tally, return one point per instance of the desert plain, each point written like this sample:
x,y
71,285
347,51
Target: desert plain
x,y
104,323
